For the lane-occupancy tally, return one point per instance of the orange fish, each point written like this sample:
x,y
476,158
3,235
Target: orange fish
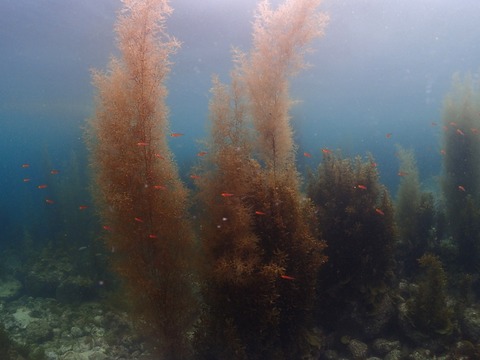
x,y
225,194
25,166
202,153
259,213
402,173
54,172
195,177
82,207
106,227
461,188
43,186
306,154
388,135
474,131
460,132
49,201
374,164
152,236
452,123
379,212
326,151
138,220
141,143
26,180
176,134
159,156
443,152
287,277
361,187
159,187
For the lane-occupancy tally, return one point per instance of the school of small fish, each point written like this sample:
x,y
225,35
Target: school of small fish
x,y
325,151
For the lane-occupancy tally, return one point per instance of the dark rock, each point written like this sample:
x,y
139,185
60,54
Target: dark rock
x,y
382,347
358,349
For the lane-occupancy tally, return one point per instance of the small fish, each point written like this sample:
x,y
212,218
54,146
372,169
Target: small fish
x,y
361,187
388,135
379,212
202,153
402,173
453,123
306,154
49,201
152,236
176,134
25,166
26,180
54,172
443,152
194,177
226,194
434,123
374,164
159,187
82,248
138,220
461,188
259,213
159,156
106,227
82,207
141,143
474,131
460,132
326,151
43,186
287,277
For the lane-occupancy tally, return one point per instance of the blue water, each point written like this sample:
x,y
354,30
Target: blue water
x,y
382,67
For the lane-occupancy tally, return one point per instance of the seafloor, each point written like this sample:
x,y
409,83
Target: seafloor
x,y
50,311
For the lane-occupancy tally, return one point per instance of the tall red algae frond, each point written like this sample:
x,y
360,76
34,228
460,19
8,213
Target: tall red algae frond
x,y
142,201
258,231
280,40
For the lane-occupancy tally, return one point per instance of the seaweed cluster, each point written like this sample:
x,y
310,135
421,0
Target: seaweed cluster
x,y
428,309
258,233
142,202
461,186
416,215
356,219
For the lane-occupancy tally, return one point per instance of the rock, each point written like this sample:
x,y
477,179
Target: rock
x,y
358,349
471,324
72,356
50,355
10,289
382,347
76,332
330,355
38,331
22,317
465,349
97,355
420,354
395,354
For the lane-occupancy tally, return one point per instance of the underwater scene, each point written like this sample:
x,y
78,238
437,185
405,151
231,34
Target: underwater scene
x,y
240,180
